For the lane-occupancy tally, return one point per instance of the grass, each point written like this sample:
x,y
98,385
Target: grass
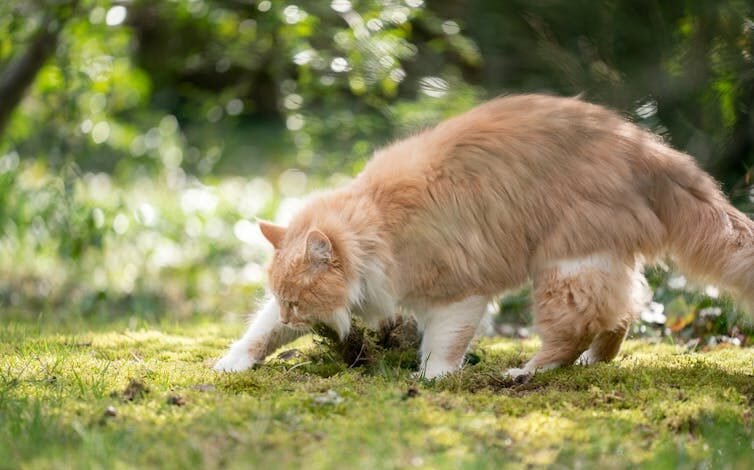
x,y
145,396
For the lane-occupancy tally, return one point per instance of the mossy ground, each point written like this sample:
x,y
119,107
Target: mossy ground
x,y
113,397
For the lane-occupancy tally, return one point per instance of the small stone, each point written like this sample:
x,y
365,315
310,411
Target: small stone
x,y
329,398
176,400
412,392
111,412
289,354
507,330
134,390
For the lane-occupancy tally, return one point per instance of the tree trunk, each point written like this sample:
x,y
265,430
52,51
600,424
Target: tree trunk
x,y
20,73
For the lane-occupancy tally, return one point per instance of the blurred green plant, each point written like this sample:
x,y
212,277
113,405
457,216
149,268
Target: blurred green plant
x,y
81,246
137,86
684,68
100,212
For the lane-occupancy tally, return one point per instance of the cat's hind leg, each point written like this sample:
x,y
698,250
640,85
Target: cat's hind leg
x,y
447,331
579,303
607,343
605,346
265,334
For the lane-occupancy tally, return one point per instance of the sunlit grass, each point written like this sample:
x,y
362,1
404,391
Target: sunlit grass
x,y
63,399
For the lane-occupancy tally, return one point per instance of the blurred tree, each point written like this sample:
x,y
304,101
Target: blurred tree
x,y
329,71
20,70
684,68
342,75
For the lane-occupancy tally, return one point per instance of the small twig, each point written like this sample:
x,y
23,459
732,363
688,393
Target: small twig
x,y
358,356
497,380
297,365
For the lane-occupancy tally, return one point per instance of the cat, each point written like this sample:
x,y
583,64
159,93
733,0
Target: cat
x,y
554,190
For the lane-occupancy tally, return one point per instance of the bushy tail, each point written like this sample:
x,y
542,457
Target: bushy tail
x,y
709,238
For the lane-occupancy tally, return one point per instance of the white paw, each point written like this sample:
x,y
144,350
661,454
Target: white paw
x,y
235,361
586,359
434,372
516,373
422,375
523,375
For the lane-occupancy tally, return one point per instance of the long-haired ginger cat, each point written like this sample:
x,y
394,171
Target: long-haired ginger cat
x,y
555,190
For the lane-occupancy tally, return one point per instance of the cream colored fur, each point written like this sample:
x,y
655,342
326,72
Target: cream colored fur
x,y
556,190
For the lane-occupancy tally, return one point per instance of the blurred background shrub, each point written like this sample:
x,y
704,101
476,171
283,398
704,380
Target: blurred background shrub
x,y
139,139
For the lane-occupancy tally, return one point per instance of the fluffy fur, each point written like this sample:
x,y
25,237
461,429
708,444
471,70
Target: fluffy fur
x,y
556,190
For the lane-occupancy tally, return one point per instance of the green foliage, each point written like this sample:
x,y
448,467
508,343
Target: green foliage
x,y
330,72
683,68
81,246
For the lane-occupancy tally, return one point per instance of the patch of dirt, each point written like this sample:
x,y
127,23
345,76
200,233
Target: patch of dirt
x,y
176,400
135,390
363,346
399,335
498,383
412,392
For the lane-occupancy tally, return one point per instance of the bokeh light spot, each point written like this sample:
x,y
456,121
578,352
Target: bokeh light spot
x,y
101,132
292,14
435,87
116,15
234,107
214,114
339,64
341,6
450,28
295,122
120,224
292,183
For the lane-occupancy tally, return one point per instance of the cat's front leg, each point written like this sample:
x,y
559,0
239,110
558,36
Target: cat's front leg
x,y
447,333
265,334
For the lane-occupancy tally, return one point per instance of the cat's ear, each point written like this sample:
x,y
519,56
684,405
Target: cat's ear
x,y
318,248
273,233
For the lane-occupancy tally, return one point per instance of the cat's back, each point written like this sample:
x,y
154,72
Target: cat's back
x,y
535,134
491,187
531,127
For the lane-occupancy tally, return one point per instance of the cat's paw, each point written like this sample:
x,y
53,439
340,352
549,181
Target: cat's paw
x,y
431,373
586,359
519,375
235,361
435,371
422,375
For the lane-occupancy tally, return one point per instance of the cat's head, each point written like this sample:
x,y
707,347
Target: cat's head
x,y
307,277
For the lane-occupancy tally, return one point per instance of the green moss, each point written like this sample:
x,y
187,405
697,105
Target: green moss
x,y
63,399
